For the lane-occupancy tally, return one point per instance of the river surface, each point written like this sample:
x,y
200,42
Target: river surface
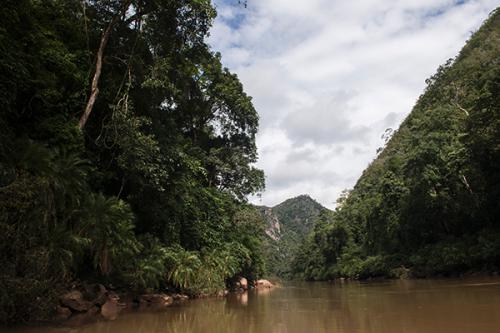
x,y
403,306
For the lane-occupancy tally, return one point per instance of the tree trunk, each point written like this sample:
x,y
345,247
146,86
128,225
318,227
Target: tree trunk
x,y
98,64
104,263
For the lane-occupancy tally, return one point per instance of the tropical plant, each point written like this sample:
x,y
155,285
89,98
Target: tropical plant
x,y
108,223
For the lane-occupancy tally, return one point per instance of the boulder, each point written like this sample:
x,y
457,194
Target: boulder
x,y
62,312
263,284
157,299
74,300
113,296
243,283
109,310
180,297
96,294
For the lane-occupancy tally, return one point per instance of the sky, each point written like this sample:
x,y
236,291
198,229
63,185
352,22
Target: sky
x,y
328,77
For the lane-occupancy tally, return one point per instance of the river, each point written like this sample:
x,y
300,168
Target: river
x,y
404,306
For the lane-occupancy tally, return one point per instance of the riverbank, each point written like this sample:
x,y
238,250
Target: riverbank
x,y
85,303
408,274
390,306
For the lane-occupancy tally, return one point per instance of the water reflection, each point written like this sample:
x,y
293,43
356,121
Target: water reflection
x,y
242,298
442,306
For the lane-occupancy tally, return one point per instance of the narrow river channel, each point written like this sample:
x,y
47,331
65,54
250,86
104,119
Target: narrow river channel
x,y
405,306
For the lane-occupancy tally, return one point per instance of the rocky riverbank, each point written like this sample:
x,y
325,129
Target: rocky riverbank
x,y
90,302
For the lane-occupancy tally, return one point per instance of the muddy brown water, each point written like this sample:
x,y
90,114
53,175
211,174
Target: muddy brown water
x,y
408,306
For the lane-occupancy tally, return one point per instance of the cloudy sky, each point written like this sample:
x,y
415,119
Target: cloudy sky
x,y
328,77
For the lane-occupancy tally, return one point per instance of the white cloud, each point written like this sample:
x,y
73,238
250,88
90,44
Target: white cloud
x,y
325,121
328,77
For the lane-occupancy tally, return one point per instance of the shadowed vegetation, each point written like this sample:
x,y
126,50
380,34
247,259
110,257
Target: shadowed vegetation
x,y
147,192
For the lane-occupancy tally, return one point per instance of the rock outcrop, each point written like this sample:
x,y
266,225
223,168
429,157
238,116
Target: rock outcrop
x,y
87,301
273,228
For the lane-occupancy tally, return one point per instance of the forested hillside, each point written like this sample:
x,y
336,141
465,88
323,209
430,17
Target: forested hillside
x,y
430,202
126,152
287,225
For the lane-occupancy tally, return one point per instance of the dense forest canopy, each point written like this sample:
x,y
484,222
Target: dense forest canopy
x,y
126,152
430,202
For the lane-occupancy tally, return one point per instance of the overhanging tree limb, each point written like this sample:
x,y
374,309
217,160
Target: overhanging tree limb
x,y
98,64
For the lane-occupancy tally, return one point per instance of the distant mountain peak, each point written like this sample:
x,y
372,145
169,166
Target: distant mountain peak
x,y
288,223
305,198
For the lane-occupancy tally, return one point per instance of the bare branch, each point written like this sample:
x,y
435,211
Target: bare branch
x,y
98,66
466,183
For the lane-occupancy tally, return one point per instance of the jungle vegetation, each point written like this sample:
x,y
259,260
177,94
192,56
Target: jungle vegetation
x,y
126,152
429,204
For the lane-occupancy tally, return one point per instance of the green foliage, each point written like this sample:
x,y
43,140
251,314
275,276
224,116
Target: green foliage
x,y
108,224
147,269
205,272
296,218
40,248
429,201
182,267
151,195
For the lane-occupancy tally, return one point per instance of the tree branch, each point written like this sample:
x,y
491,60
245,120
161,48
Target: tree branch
x,y
98,65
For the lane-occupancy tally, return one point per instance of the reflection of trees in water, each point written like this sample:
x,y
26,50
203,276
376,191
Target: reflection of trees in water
x,y
205,316
242,298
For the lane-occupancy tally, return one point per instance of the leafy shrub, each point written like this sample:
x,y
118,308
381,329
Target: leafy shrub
x,y
441,258
374,266
147,270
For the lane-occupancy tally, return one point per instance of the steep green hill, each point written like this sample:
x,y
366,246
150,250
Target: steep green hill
x,y
430,202
287,225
